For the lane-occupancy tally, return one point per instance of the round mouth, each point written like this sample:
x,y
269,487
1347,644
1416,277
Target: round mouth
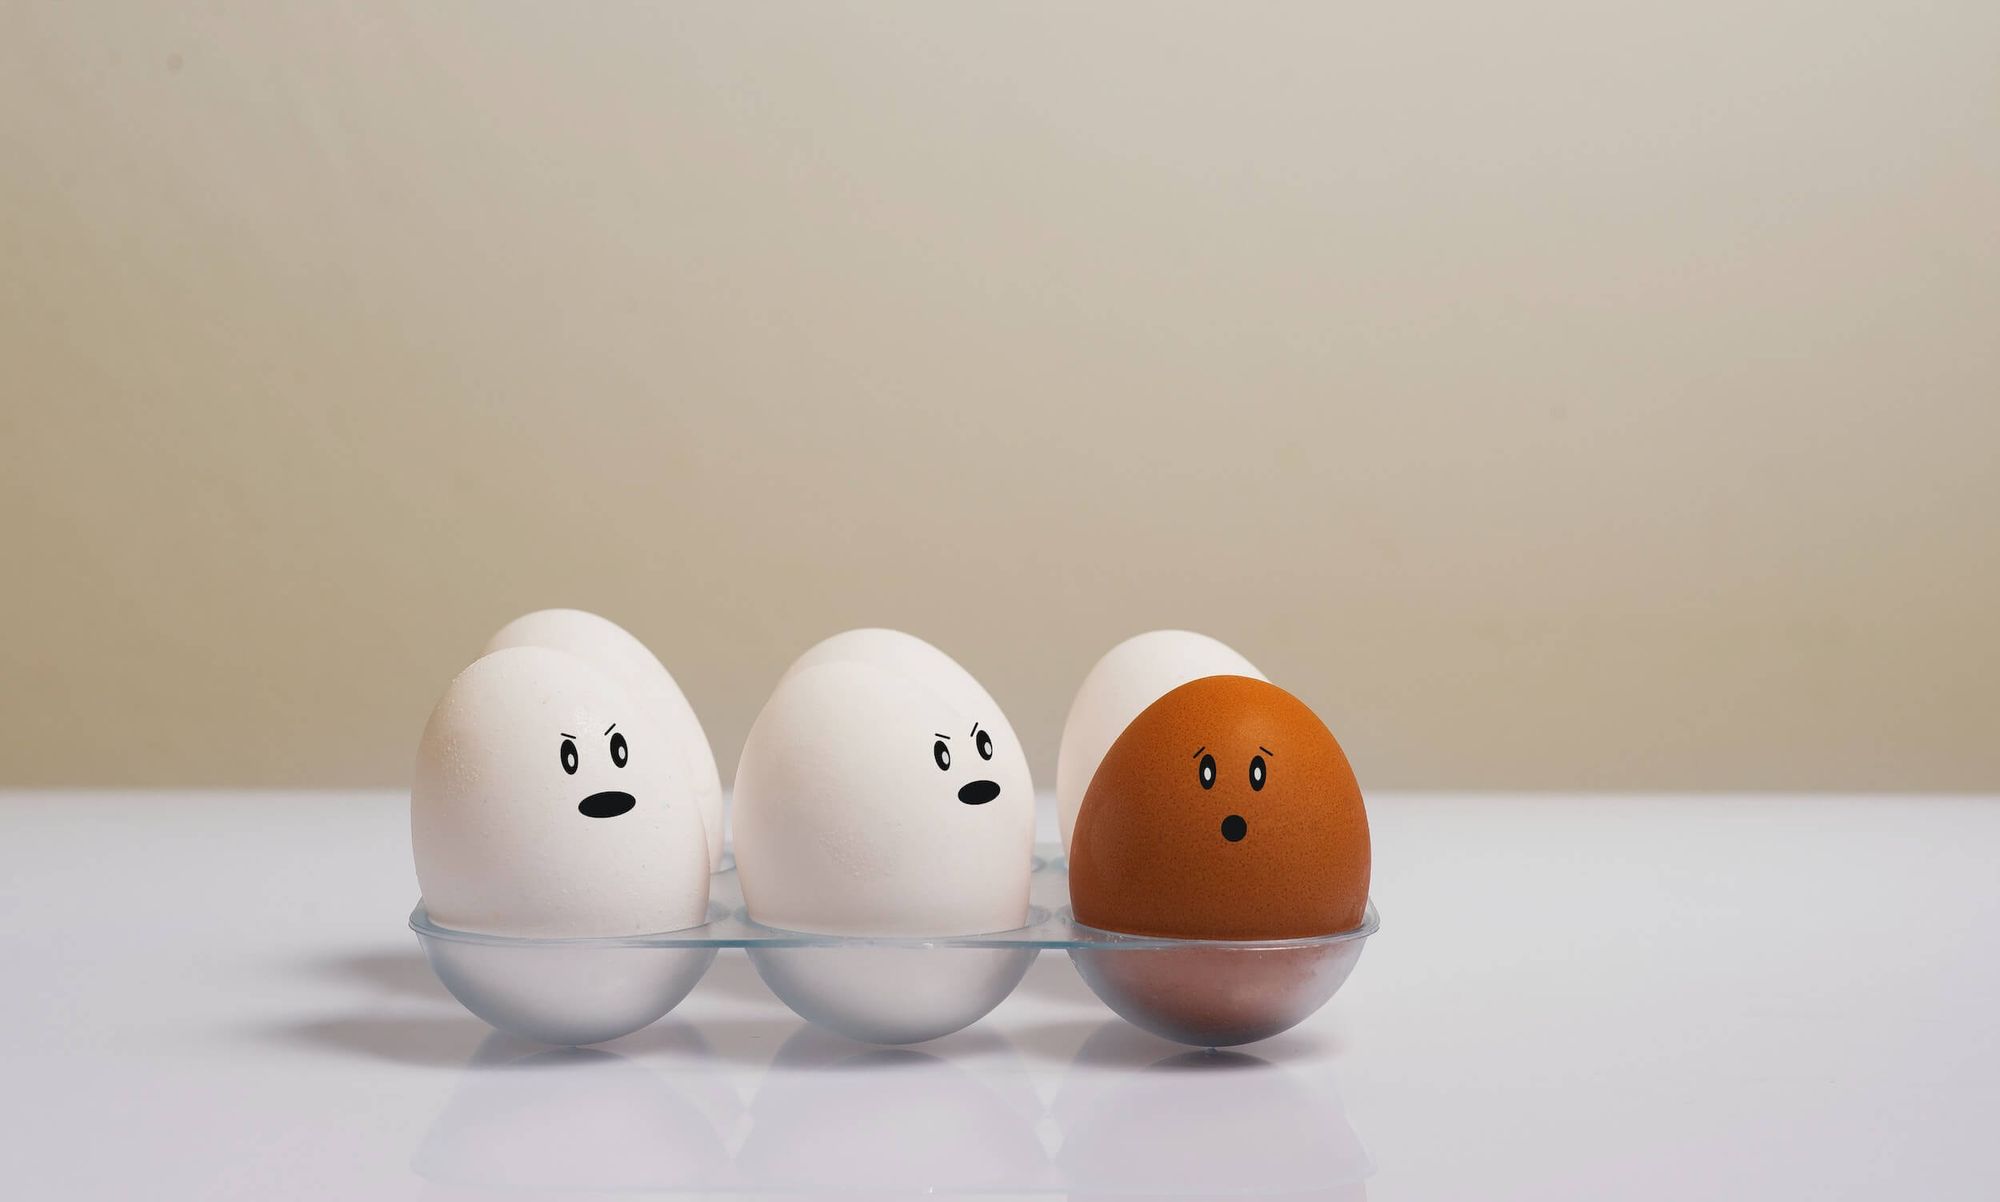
x,y
1234,828
979,792
605,805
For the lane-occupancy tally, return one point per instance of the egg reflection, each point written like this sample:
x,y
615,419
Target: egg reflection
x,y
897,1121
1139,1119
568,1119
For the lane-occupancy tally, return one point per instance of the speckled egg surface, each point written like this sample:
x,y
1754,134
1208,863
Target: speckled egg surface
x,y
1226,810
545,803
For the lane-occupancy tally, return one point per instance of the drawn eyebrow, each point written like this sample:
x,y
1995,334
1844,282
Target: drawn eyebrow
x,y
1198,751
975,730
1266,750
610,728
565,734
942,736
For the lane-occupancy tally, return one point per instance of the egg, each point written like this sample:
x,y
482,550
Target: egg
x,y
1226,810
615,651
547,802
1130,677
868,803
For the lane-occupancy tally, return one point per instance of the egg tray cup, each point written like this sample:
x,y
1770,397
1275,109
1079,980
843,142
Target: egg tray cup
x,y
1201,992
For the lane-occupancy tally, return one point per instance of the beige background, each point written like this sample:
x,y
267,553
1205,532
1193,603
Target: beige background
x,y
1553,394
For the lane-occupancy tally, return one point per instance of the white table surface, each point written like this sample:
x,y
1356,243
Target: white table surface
x,y
216,995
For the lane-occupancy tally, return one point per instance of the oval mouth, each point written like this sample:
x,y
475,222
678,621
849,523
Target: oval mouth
x,y
605,805
979,792
1234,828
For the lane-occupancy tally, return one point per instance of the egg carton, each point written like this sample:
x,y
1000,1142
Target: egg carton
x,y
1201,992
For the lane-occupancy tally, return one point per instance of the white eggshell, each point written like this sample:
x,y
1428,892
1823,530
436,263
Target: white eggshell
x,y
502,844
845,823
908,655
613,649
1130,677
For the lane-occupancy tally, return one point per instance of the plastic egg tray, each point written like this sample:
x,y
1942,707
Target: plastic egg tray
x,y
1201,992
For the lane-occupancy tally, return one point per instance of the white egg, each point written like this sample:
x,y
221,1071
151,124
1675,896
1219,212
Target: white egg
x,y
868,803
546,803
1130,677
613,649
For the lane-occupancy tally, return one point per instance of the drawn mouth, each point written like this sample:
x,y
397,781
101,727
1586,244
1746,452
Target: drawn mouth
x,y
979,792
1234,828
605,805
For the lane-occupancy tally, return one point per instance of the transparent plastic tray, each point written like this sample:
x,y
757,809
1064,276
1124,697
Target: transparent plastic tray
x,y
1202,992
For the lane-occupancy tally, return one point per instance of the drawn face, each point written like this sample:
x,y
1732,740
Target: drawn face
x,y
608,803
972,792
1235,828
1226,810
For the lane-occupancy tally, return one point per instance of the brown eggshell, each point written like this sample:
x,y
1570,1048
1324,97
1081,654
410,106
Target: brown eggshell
x,y
1151,857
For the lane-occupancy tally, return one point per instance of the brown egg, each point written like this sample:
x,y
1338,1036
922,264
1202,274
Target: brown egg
x,y
1225,811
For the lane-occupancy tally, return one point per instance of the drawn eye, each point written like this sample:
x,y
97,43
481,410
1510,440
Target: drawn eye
x,y
985,744
569,757
1208,772
618,750
942,755
1256,772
